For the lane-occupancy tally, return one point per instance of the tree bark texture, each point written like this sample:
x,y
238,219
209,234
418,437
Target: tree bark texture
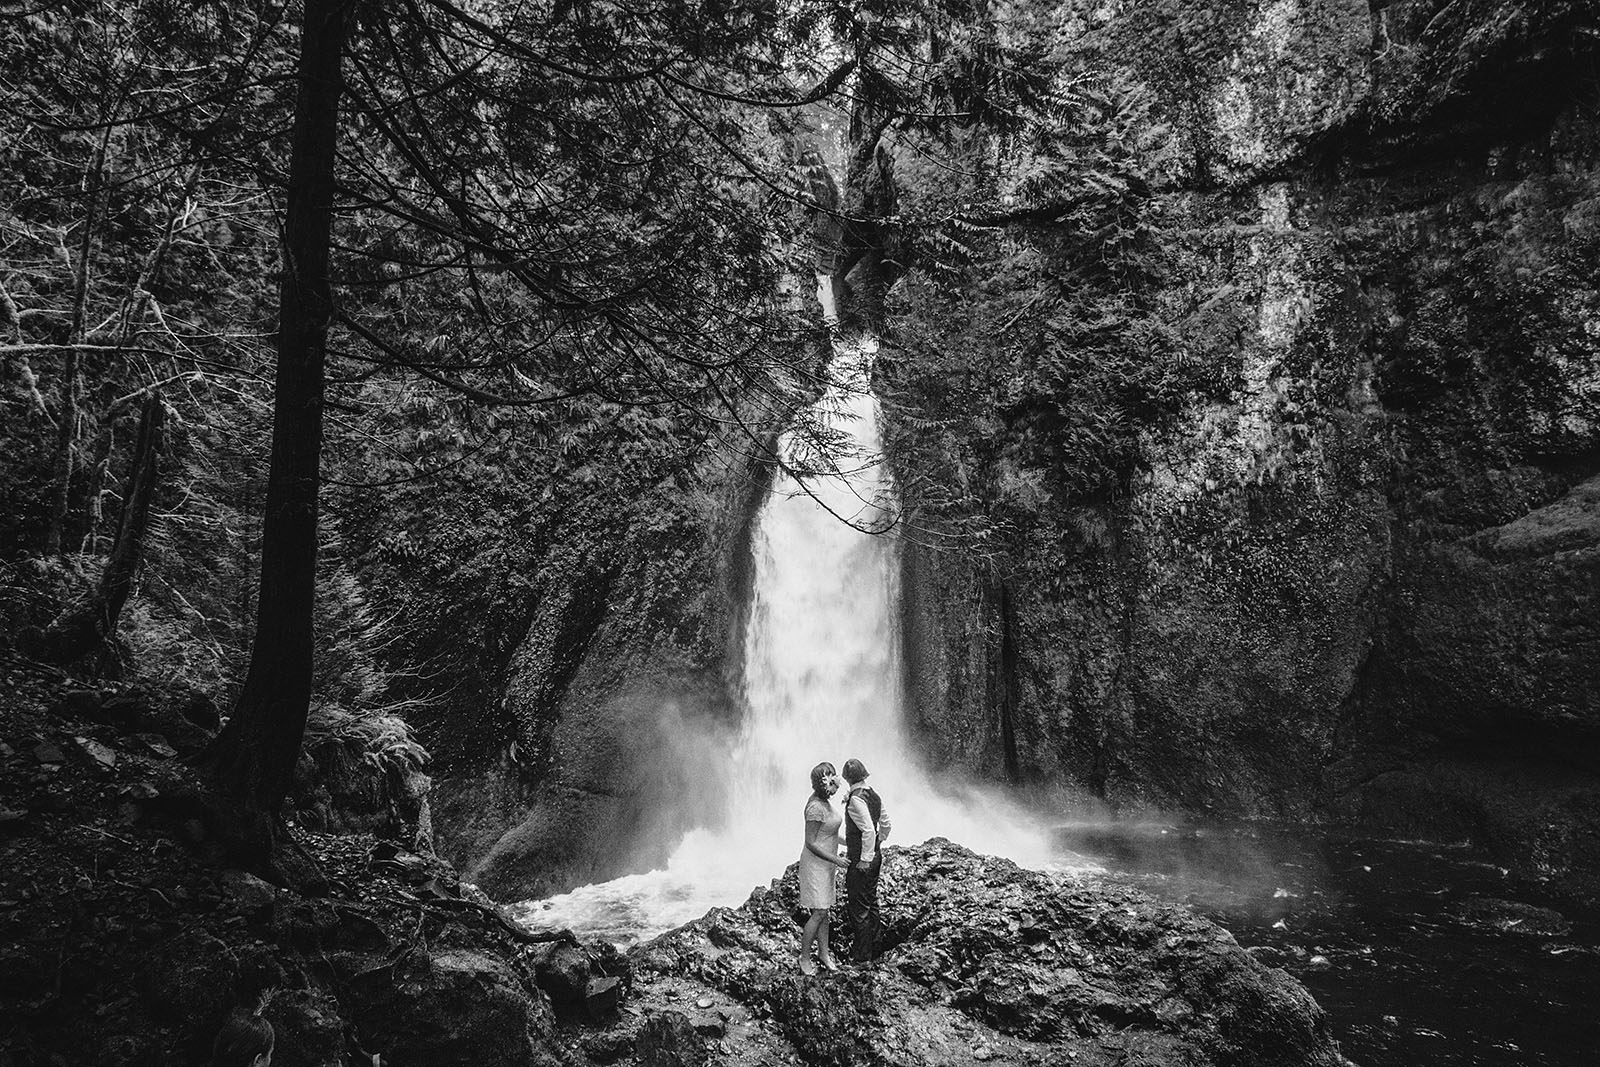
x,y
253,759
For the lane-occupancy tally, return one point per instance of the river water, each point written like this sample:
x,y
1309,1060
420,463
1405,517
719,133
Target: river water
x,y
1423,954
1401,942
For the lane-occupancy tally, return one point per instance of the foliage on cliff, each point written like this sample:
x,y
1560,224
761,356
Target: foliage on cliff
x,y
1354,357
1029,353
553,271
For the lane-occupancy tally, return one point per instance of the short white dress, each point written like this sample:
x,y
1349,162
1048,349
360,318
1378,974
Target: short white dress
x,y
817,881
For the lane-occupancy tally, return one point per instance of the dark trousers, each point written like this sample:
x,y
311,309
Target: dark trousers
x,y
861,908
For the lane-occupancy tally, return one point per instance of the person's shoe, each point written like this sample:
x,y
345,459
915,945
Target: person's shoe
x,y
829,963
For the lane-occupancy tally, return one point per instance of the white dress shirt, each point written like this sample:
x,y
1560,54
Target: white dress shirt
x,y
860,815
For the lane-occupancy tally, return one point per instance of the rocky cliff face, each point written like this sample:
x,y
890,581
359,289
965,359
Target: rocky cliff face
x,y
600,658
630,648
1360,574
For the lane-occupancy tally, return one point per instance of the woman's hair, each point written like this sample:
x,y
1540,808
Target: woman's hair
x,y
821,776
242,1038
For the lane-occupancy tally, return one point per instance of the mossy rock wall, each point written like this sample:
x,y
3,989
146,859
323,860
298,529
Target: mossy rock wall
x,y
621,673
1359,580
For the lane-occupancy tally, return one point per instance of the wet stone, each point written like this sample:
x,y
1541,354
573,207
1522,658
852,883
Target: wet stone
x,y
154,744
48,752
1512,917
668,1040
100,757
245,893
609,1046
562,970
602,996
357,933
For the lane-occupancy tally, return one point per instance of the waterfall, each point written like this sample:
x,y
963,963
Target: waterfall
x,y
822,683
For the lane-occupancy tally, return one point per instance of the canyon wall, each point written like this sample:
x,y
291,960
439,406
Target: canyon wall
x,y
1358,576
618,689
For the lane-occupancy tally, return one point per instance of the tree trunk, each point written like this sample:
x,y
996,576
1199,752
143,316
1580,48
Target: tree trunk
x,y
67,422
253,758
105,442
91,628
61,466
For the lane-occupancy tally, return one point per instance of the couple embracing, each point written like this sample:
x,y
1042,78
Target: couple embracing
x,y
865,824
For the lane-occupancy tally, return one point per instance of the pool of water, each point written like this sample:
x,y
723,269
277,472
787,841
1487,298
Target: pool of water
x,y
1422,954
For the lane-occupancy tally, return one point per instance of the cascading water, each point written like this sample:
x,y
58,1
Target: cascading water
x,y
822,682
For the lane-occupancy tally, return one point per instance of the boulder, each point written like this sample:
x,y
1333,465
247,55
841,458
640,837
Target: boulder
x,y
48,753
96,756
153,745
246,894
984,960
608,1046
457,1006
668,1040
562,971
1512,917
602,997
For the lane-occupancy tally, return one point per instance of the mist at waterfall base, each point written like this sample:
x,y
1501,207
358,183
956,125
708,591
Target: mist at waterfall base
x,y
822,684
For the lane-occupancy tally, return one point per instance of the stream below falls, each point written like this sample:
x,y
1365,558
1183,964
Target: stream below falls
x,y
1423,955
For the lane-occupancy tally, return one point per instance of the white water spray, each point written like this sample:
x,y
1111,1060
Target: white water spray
x,y
822,683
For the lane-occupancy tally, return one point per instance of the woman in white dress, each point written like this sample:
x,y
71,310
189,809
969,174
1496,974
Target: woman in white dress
x,y
819,861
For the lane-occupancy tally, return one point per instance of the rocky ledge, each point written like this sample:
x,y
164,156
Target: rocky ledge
x,y
983,961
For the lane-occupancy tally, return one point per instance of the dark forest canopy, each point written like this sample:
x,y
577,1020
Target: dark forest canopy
x,y
458,255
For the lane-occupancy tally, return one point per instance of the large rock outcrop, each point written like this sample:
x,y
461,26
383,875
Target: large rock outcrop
x,y
1358,573
982,961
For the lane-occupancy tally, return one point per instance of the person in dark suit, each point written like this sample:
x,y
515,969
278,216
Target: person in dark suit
x,y
866,822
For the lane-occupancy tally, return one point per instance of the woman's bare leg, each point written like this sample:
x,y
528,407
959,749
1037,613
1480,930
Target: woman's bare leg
x,y
819,916
824,956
